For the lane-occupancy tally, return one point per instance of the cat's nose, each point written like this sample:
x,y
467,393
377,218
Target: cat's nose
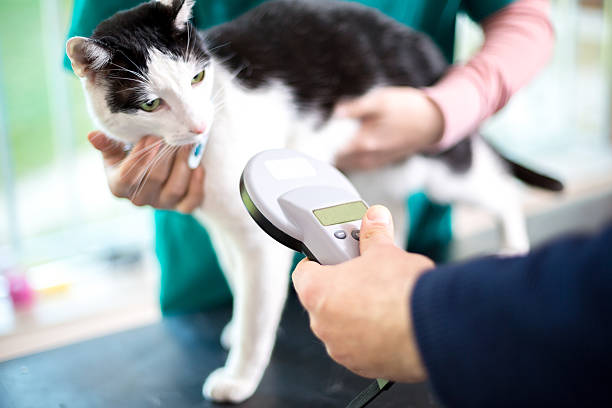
x,y
198,129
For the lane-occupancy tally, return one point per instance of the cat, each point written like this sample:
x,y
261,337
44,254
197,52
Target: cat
x,y
271,79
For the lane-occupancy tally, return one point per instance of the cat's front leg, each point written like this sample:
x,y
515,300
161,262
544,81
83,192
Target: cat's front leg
x,y
261,279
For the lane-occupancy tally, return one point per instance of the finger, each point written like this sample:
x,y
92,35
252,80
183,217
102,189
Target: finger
x,y
195,192
175,188
359,108
376,228
309,281
112,150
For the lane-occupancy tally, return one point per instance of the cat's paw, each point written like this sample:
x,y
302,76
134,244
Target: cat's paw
x,y
220,386
228,335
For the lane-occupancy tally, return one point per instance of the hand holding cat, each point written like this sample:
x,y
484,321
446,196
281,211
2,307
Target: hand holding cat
x,y
146,176
361,310
395,123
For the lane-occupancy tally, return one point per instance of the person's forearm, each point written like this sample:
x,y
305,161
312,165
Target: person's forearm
x,y
532,331
518,43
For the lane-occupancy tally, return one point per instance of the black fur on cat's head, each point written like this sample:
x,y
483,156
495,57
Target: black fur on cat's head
x,y
145,71
117,53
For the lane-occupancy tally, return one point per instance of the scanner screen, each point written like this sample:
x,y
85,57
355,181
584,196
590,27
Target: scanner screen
x,y
339,214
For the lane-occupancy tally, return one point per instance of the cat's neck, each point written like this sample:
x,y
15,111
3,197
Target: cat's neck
x,y
247,121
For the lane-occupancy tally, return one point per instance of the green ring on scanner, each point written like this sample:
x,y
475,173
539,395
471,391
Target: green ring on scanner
x,y
269,228
150,106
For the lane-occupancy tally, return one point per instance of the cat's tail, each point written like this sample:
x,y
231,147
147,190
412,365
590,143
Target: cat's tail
x,y
527,175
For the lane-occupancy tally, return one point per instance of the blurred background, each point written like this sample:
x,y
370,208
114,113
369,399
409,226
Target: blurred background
x,y
88,256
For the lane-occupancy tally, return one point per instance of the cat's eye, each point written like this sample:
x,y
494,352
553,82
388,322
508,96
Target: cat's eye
x,y
151,105
197,78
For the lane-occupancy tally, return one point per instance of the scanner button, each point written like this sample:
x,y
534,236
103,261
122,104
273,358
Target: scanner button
x,y
340,234
355,234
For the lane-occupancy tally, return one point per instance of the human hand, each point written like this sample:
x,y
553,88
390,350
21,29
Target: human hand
x,y
360,308
151,174
395,123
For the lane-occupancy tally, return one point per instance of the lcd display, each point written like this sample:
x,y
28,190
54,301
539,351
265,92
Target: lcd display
x,y
339,214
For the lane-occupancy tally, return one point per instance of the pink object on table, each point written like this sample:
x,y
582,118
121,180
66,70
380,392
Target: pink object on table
x,y
518,43
20,290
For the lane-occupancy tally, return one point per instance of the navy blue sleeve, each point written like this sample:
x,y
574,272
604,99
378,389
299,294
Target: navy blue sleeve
x,y
516,332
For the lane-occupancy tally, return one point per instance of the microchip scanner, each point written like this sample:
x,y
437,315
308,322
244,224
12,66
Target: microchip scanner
x,y
305,204
310,207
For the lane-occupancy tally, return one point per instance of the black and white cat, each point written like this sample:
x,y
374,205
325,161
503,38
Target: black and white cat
x,y
270,79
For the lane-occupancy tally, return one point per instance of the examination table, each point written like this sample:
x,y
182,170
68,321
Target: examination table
x,y
164,365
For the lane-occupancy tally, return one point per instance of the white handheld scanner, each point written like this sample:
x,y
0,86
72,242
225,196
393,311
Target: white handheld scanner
x,y
303,203
311,207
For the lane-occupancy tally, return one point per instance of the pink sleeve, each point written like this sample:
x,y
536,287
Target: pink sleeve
x,y
518,42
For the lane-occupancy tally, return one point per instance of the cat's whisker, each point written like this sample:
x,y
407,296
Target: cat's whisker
x,y
218,108
216,95
129,89
193,45
136,154
115,76
138,157
165,151
129,79
138,74
237,72
142,179
128,58
187,50
186,53
210,50
147,148
140,79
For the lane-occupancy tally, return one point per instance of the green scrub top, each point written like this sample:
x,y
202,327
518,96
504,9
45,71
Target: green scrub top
x,y
191,279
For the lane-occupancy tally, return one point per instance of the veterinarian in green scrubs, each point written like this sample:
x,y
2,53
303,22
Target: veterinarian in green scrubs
x,y
190,276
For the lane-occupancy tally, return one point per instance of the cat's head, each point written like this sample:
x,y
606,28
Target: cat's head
x,y
145,71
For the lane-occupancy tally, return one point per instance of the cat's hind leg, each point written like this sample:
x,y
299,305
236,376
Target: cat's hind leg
x,y
486,185
502,201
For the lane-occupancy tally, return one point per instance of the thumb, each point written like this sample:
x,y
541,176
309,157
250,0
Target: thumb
x,y
376,228
112,151
359,108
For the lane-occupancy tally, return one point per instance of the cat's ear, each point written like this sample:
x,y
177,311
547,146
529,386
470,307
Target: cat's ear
x,y
86,55
181,10
183,14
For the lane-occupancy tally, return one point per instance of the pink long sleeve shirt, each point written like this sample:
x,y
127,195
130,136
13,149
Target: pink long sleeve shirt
x,y
518,42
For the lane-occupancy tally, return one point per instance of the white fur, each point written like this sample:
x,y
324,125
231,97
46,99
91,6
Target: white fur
x,y
247,122
184,13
